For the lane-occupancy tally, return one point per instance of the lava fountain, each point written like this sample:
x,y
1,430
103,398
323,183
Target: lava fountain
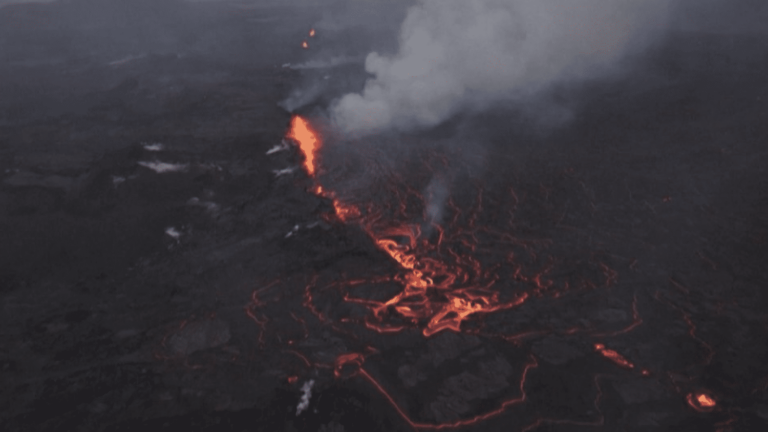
x,y
308,142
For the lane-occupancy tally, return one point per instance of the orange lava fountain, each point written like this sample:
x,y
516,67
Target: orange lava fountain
x,y
303,134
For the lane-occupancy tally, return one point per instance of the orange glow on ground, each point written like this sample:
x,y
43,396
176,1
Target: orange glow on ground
x,y
354,359
701,401
614,356
445,274
302,133
312,33
305,45
344,211
705,400
433,291
439,290
442,280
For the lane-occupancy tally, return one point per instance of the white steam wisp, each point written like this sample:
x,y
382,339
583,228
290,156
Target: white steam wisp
x,y
455,54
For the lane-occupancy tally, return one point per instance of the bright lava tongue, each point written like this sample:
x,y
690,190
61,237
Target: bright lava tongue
x,y
308,142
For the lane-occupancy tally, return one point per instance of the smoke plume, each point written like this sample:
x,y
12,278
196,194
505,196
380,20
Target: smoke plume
x,y
459,54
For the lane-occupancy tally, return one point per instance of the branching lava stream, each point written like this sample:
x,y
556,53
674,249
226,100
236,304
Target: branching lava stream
x,y
452,272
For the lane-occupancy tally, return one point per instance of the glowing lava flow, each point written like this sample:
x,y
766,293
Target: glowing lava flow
x,y
444,293
443,278
701,402
439,293
614,356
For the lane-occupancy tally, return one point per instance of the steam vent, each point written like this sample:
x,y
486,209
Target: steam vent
x,y
411,215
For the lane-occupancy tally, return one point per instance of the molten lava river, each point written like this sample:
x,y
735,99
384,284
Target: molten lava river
x,y
470,309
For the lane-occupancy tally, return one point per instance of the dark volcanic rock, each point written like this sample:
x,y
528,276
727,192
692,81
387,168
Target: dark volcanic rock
x,y
639,390
199,335
449,345
459,393
410,375
156,273
557,350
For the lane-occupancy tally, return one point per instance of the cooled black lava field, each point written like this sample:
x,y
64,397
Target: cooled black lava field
x,y
170,261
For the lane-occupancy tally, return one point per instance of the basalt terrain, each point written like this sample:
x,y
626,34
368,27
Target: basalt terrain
x,y
179,252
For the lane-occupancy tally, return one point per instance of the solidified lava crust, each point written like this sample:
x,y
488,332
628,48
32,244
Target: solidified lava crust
x,y
175,256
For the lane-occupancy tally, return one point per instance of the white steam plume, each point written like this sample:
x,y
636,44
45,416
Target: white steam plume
x,y
306,395
459,53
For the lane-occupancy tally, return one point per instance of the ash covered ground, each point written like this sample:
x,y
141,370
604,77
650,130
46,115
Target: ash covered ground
x,y
160,270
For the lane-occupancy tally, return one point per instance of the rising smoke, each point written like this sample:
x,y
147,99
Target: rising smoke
x,y
467,54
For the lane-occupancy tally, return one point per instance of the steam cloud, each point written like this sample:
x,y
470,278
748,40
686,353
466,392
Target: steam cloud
x,y
457,54
306,395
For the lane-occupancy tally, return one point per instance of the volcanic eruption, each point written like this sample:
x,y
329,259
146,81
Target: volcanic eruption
x,y
386,215
445,282
456,263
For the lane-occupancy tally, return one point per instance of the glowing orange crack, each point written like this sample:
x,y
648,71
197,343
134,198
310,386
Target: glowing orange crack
x,y
614,356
